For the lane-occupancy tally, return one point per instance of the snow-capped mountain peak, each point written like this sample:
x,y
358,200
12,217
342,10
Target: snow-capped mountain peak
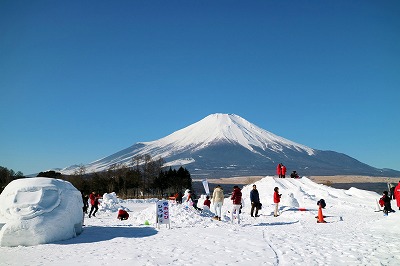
x,y
229,128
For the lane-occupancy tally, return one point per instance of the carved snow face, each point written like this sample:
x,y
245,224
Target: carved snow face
x,y
39,210
29,202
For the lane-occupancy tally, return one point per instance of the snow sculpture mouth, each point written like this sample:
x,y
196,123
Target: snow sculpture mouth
x,y
28,203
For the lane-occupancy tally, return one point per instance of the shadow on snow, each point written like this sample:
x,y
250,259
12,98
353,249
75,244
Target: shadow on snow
x,y
276,223
92,234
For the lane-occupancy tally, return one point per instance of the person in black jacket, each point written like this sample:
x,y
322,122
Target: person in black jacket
x,y
255,201
386,203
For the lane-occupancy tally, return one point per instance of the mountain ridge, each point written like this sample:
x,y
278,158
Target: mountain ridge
x,y
226,145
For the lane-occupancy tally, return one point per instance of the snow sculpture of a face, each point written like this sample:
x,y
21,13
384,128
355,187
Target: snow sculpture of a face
x,y
39,210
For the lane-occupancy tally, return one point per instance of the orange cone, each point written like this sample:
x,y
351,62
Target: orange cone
x,y
320,216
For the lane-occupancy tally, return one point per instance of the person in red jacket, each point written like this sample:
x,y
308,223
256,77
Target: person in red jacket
x,y
397,194
94,201
277,199
279,170
122,214
237,201
283,171
207,202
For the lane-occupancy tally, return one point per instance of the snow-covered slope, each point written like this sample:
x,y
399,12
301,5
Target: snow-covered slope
x,y
228,145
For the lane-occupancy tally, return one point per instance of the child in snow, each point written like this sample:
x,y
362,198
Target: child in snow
x,y
122,214
277,199
207,202
386,203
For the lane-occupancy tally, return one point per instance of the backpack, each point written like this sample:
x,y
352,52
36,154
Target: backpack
x,y
322,203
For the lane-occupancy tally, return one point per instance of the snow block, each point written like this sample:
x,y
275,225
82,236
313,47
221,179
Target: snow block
x,y
39,210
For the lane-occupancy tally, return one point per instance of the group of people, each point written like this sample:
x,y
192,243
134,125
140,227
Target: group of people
x,y
94,203
281,171
236,197
385,200
93,198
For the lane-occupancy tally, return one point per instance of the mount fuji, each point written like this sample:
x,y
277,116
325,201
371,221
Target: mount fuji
x,y
226,145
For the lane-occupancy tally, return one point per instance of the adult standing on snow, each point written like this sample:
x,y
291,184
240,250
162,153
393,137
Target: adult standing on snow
x,y
94,201
277,199
255,201
218,201
237,201
283,171
397,194
279,170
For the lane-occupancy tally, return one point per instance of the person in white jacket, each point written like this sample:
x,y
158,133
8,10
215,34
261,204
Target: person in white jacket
x,y
218,201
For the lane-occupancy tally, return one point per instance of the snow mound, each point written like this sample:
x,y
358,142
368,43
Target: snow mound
x,y
110,203
39,210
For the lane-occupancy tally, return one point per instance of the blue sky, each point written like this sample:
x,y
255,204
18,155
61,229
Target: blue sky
x,y
80,80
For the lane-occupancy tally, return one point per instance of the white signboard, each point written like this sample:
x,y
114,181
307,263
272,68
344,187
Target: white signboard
x,y
162,212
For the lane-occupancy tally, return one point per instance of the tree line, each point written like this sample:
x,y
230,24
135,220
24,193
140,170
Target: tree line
x,y
8,175
145,177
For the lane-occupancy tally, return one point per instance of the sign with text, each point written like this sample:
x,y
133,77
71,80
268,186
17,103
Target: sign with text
x,y
162,208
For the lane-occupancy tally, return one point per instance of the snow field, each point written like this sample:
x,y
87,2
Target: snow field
x,y
354,233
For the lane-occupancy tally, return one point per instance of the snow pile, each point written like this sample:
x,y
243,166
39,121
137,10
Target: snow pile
x,y
111,203
39,210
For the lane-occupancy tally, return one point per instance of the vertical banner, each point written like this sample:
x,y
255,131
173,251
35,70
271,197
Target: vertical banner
x,y
205,185
162,212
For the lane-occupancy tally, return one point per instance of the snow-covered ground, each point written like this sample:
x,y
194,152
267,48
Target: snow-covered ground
x,y
355,234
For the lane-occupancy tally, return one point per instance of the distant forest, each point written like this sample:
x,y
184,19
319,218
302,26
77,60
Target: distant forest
x,y
8,175
145,178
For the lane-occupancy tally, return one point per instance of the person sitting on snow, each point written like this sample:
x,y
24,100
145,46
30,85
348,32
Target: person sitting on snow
x,y
122,214
294,175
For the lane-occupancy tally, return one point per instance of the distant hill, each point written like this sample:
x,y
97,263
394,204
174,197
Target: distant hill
x,y
225,145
